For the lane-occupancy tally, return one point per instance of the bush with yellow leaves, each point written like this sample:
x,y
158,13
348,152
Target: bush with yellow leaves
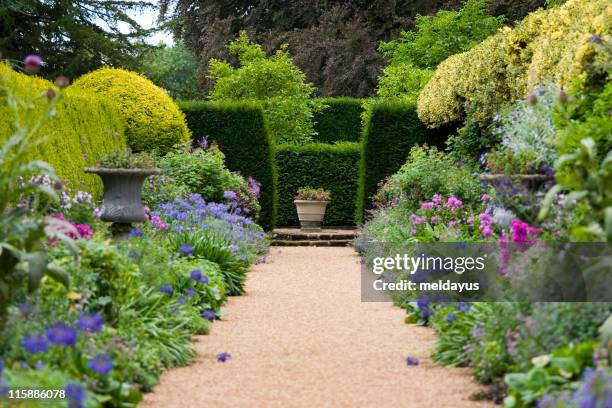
x,y
153,121
555,45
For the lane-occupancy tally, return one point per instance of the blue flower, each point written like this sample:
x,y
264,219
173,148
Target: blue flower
x,y
1,367
230,195
181,300
223,357
464,306
101,364
186,249
234,248
136,233
167,289
451,318
209,315
596,39
62,334
39,365
411,361
75,393
425,312
190,292
91,322
36,343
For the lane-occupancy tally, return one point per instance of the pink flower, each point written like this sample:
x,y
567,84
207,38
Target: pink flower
x,y
147,210
32,63
414,232
453,223
416,220
434,219
487,231
159,223
453,203
427,205
470,220
485,198
436,199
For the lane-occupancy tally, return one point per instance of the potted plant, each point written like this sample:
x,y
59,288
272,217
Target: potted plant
x,y
310,204
123,175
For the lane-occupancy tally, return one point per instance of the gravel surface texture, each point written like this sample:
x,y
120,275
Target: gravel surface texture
x,y
301,337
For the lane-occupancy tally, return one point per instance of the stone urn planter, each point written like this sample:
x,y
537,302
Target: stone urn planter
x,y
122,202
311,204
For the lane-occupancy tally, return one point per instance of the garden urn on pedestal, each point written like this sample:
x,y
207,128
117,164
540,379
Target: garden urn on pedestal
x,y
122,202
311,204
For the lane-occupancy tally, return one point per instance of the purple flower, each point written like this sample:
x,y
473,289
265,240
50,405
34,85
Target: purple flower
x,y
36,343
436,199
453,203
91,322
1,367
75,393
425,312
427,205
464,306
209,315
223,357
254,186
62,335
234,248
203,143
412,361
229,195
39,365
434,219
101,364
596,39
167,289
181,300
186,249
33,63
198,276
136,233
485,197
416,220
451,318
190,292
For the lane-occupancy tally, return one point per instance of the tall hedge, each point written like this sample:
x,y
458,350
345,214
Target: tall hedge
x,y
240,131
332,167
84,128
339,121
390,130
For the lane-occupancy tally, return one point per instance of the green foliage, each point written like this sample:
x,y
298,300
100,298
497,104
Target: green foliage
x,y
313,194
330,167
161,189
127,160
153,122
416,53
275,82
428,172
173,69
83,128
558,45
391,129
238,128
339,120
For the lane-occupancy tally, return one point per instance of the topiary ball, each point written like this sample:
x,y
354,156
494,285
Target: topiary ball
x,y
153,121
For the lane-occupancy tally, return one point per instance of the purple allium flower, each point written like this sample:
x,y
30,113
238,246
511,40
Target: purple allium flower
x,y
223,357
62,334
101,364
209,315
167,289
451,317
190,292
186,249
230,195
136,233
36,343
91,322
33,63
75,393
412,361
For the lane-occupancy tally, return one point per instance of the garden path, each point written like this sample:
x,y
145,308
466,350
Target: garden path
x,y
301,337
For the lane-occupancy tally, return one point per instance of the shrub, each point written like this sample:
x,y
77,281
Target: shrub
x,y
153,122
555,45
312,194
390,130
238,128
331,167
339,120
84,128
275,82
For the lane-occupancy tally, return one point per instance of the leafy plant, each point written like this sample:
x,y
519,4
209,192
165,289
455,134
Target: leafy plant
x,y
313,194
127,160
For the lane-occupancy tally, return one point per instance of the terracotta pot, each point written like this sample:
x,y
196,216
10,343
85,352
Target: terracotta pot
x,y
123,193
310,213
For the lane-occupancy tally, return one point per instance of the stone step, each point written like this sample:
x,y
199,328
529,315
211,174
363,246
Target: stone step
x,y
317,243
326,234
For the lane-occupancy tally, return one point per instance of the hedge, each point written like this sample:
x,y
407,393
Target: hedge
x,y
240,131
153,121
340,121
391,129
319,165
84,128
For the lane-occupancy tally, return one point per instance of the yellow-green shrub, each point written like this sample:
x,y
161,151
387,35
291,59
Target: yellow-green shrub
x,y
153,121
84,128
554,45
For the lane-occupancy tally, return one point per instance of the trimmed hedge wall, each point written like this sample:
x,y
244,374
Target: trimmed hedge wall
x,y
340,121
391,129
84,128
332,167
240,131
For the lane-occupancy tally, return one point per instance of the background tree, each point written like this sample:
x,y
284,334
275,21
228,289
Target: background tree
x,y
174,69
333,41
73,36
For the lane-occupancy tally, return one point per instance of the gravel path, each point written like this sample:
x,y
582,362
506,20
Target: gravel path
x,y
301,337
